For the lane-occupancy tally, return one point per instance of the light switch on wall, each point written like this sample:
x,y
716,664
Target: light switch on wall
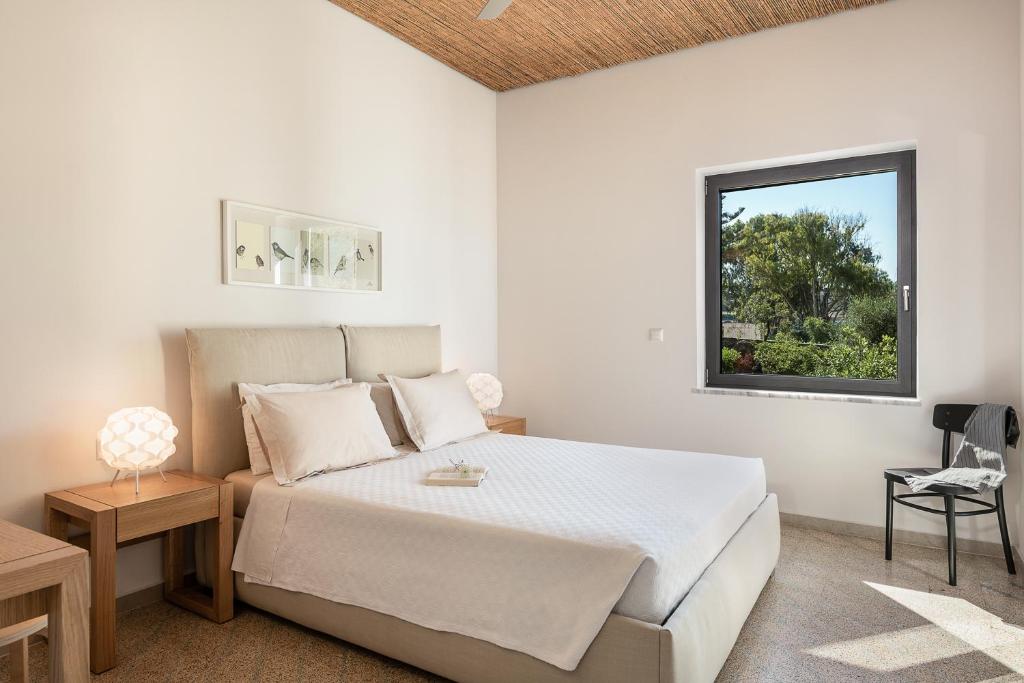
x,y
656,334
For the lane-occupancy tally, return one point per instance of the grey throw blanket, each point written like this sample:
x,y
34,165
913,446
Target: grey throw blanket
x,y
979,462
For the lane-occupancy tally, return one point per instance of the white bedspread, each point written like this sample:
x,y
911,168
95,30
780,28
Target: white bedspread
x,y
534,560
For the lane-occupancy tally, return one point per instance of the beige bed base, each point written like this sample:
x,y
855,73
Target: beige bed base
x,y
691,646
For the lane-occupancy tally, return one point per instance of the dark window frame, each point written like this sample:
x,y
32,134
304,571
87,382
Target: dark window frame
x,y
904,164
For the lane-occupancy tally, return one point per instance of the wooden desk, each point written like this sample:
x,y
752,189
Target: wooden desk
x,y
115,516
42,575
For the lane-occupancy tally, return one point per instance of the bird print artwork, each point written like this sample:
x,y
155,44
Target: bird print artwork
x,y
340,258
250,243
280,253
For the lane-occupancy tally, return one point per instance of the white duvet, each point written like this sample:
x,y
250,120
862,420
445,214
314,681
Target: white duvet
x,y
558,536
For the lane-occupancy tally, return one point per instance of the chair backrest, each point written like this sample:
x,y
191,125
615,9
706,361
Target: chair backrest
x,y
951,418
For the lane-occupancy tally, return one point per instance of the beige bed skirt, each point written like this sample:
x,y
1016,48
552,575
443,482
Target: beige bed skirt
x,y
691,646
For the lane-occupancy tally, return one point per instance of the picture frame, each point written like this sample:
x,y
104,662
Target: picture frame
x,y
266,247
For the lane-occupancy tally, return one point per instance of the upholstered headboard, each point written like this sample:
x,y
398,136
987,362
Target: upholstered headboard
x,y
412,351
221,358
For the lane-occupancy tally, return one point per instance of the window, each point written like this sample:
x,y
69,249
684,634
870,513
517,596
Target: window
x,y
809,277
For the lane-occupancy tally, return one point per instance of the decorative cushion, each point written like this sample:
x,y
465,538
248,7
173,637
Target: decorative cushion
x,y
318,431
437,410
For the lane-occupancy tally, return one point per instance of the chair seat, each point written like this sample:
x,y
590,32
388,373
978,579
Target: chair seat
x,y
900,474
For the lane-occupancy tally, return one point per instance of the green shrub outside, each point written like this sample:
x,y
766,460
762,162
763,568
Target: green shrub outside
x,y
820,331
787,355
873,317
729,359
856,357
850,356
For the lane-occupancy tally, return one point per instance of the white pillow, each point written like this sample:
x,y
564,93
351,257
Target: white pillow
x,y
437,410
257,458
318,431
384,398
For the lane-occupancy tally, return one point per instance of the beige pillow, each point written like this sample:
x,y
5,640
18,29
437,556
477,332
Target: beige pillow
x,y
384,398
257,458
311,432
437,410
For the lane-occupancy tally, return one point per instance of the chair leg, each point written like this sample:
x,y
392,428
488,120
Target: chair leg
x,y
888,520
1001,514
951,537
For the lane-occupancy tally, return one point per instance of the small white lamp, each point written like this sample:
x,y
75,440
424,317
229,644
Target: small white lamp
x,y
486,390
136,439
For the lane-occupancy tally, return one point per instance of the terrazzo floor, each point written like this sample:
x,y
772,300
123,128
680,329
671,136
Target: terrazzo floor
x,y
835,611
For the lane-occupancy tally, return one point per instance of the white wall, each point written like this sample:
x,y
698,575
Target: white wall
x,y
597,238
123,123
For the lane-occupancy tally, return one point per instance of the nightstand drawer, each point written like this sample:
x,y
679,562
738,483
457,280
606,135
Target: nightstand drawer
x,y
517,428
160,514
506,424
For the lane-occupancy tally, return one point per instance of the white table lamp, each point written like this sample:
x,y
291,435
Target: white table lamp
x,y
136,439
486,390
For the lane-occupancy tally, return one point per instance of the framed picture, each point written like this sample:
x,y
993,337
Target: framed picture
x,y
267,247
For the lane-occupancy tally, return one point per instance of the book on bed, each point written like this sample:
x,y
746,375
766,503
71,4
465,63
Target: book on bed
x,y
456,476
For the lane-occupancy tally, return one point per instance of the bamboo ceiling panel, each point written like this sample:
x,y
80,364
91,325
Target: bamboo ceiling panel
x,y
539,40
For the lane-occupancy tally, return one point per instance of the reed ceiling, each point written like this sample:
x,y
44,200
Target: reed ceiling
x,y
540,40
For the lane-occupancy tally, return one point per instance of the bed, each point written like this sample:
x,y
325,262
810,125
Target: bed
x,y
687,589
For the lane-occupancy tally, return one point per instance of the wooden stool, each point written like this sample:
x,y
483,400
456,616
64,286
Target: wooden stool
x,y
15,639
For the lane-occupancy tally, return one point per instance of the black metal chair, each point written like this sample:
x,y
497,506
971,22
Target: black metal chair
x,y
950,418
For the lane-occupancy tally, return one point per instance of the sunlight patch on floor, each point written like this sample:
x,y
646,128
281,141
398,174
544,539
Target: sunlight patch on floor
x,y
894,650
957,627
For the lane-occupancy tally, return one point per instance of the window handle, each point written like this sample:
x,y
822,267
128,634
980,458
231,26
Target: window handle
x,y
906,297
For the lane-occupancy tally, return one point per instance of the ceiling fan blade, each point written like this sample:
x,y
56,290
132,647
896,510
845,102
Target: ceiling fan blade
x,y
493,8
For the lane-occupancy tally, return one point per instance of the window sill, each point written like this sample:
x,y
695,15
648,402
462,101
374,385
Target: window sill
x,y
805,396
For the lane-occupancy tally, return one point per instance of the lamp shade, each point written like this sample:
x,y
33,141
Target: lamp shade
x,y
486,390
136,438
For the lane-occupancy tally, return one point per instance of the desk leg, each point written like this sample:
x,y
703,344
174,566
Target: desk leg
x,y
18,658
102,616
68,627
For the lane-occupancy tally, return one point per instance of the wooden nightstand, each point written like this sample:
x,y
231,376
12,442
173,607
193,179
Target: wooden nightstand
x,y
506,424
115,516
